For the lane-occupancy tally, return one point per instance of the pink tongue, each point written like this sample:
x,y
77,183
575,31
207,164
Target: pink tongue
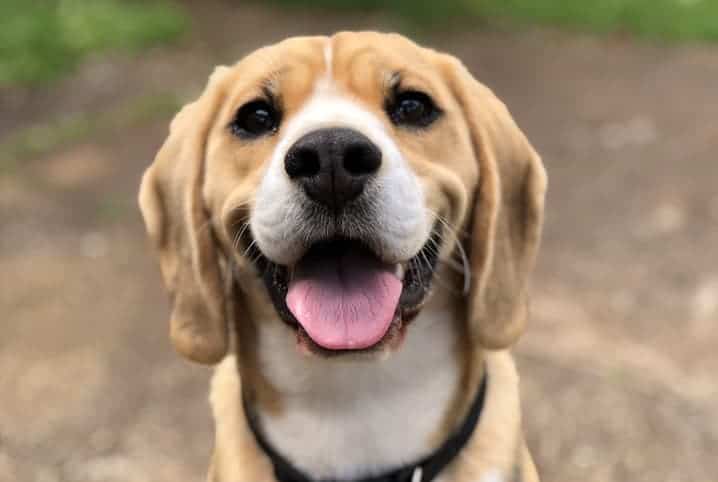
x,y
344,300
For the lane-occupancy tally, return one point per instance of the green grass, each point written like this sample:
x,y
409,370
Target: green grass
x,y
682,20
42,39
678,20
43,138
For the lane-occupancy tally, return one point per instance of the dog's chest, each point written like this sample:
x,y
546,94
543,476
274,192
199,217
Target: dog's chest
x,y
356,417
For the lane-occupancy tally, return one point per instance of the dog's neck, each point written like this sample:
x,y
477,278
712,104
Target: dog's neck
x,y
335,418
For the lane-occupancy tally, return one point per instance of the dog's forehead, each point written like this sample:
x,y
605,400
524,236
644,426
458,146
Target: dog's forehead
x,y
358,62
360,50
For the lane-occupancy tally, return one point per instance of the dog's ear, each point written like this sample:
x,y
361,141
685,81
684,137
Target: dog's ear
x,y
507,216
178,224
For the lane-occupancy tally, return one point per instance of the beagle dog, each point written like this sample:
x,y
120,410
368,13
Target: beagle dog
x,y
348,223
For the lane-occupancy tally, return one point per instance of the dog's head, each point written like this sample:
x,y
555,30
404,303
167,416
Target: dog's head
x,y
340,171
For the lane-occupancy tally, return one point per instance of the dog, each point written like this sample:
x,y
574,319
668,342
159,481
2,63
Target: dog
x,y
346,226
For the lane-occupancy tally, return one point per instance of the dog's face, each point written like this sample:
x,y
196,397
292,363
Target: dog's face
x,y
340,171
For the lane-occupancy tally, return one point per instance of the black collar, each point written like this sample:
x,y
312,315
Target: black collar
x,y
422,471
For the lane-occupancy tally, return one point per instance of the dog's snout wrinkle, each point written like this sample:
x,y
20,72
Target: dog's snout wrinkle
x,y
333,165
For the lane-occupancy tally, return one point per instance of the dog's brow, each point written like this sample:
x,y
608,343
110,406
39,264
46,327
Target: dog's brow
x,y
411,80
395,79
271,80
271,93
392,82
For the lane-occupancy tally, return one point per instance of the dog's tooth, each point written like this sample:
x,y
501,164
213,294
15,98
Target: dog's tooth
x,y
399,271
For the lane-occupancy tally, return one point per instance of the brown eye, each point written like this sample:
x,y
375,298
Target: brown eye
x,y
413,109
255,119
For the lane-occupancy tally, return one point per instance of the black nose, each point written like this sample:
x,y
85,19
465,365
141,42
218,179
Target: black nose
x,y
333,165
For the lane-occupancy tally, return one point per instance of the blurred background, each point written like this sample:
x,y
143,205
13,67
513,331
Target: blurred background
x,y
619,96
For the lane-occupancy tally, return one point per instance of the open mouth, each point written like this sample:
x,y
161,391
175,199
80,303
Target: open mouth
x,y
340,297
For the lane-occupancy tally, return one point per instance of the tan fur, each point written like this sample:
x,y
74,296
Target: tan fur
x,y
172,204
508,212
478,173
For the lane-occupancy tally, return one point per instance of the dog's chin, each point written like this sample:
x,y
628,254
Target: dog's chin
x,y
413,277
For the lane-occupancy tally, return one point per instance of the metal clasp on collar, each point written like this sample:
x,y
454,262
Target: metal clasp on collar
x,y
417,475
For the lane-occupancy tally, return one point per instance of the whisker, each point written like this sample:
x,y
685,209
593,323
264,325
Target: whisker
x,y
465,266
451,263
417,268
443,283
238,236
246,251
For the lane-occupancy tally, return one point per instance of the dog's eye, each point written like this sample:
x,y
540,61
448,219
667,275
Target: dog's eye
x,y
254,119
412,108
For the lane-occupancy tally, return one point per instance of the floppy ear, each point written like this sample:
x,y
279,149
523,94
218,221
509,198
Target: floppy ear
x,y
179,227
507,213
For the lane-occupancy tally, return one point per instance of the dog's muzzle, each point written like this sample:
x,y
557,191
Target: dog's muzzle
x,y
341,291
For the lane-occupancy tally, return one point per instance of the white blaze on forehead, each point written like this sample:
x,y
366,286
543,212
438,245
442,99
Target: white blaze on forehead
x,y
324,82
328,58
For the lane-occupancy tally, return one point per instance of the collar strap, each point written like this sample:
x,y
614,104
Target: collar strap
x,y
424,470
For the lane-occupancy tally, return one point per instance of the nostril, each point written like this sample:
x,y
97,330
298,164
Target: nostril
x,y
361,159
302,162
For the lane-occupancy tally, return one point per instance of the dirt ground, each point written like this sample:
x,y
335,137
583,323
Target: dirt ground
x,y
618,366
